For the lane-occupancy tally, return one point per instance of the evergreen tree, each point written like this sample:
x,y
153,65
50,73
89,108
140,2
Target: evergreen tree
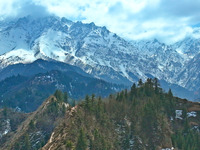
x,y
32,125
69,145
133,92
140,83
133,89
81,143
93,99
170,93
118,96
148,87
99,109
65,97
93,102
156,85
88,103
121,96
125,94
59,95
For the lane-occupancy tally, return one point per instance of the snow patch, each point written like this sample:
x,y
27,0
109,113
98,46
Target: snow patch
x,y
5,128
179,114
192,114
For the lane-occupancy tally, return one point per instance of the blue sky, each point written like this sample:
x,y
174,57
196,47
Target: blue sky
x,y
166,20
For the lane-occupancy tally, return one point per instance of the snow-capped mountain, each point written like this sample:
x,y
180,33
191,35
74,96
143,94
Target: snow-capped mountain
x,y
96,50
190,46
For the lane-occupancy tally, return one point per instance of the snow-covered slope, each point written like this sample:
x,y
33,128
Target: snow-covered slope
x,y
190,46
92,48
96,50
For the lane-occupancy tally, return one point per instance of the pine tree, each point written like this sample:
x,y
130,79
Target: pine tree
x,y
69,145
133,92
93,102
170,93
140,83
65,97
118,96
93,99
126,94
99,109
156,85
81,144
88,102
121,96
32,125
59,95
148,87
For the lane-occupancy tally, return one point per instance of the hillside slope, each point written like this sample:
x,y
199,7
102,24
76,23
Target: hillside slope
x,y
27,91
36,129
141,119
144,119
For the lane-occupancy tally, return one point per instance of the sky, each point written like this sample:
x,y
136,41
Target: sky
x,y
166,20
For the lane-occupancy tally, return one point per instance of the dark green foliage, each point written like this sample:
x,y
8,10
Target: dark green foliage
x,y
133,92
142,105
69,145
99,109
17,146
170,93
151,108
93,103
88,103
140,83
81,143
186,141
65,97
96,128
32,125
98,142
156,85
53,107
141,115
59,95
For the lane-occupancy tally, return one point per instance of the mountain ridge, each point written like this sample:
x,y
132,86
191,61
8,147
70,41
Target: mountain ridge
x,y
96,50
143,118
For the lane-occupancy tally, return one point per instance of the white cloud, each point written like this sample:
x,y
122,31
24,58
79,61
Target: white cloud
x,y
6,7
167,20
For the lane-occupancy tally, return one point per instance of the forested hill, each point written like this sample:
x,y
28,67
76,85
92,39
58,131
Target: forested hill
x,y
144,118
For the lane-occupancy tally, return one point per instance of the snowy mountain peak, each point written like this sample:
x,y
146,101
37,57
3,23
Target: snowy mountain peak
x,y
95,49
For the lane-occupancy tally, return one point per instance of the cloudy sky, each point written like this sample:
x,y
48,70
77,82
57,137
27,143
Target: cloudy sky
x,y
166,20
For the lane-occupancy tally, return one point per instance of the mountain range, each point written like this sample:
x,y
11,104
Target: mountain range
x,y
101,53
25,86
95,104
